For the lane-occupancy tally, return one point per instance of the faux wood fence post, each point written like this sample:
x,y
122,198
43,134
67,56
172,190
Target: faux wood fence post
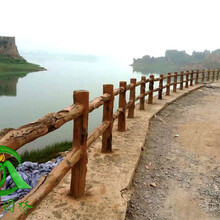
x,y
142,91
108,116
151,88
80,133
217,75
213,75
181,80
197,77
175,81
160,91
208,75
187,79
191,78
168,84
122,104
203,75
132,97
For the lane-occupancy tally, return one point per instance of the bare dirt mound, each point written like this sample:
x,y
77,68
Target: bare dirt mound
x,y
178,176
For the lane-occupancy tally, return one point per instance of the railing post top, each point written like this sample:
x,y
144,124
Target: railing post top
x,y
143,77
169,73
81,96
175,73
152,76
133,79
76,92
161,75
108,85
122,83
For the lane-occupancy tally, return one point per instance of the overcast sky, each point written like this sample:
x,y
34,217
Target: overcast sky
x,y
127,28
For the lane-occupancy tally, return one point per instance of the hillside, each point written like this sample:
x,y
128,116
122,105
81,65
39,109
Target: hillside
x,y
11,63
175,60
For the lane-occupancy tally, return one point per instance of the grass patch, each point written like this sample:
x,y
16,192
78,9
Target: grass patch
x,y
47,153
43,155
16,66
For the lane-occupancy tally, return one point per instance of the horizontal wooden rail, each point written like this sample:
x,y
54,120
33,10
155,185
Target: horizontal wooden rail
x,y
119,91
139,97
156,79
129,104
138,83
130,86
99,101
97,133
25,134
116,114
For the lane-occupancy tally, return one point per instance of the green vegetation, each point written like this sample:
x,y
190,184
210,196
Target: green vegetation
x,y
175,60
45,154
16,66
155,67
8,85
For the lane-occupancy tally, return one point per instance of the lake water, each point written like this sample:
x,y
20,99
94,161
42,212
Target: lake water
x,y
27,99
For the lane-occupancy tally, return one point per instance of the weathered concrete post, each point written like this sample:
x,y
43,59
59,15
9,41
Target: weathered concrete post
x,y
191,78
197,77
208,75
80,133
181,80
142,91
187,79
160,92
132,97
168,84
108,116
151,88
122,104
203,75
175,81
213,75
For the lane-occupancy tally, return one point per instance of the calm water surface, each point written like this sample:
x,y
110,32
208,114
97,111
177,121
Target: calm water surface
x,y
27,99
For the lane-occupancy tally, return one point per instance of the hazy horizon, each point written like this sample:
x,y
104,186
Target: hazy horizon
x,y
122,29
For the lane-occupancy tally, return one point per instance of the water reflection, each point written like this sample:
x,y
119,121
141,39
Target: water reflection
x,y
50,91
8,83
8,86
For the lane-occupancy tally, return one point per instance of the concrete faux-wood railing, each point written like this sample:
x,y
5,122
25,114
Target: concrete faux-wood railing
x,y
76,159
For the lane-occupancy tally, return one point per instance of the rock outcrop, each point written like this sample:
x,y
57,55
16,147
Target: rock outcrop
x,y
8,46
175,60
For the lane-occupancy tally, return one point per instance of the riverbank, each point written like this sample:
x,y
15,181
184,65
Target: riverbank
x,y
17,66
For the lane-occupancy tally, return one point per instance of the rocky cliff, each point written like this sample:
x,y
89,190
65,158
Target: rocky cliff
x,y
11,63
8,46
175,60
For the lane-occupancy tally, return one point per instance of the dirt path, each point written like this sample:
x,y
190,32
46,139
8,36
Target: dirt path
x,y
183,151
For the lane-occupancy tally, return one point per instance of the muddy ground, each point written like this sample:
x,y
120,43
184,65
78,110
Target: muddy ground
x,y
178,176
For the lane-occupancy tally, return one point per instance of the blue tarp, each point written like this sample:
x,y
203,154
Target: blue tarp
x,y
30,172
